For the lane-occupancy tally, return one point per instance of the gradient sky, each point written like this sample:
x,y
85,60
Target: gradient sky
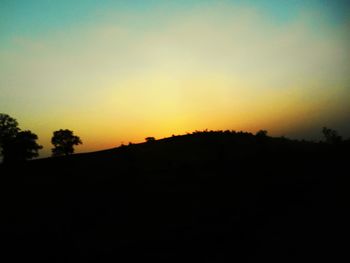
x,y
119,71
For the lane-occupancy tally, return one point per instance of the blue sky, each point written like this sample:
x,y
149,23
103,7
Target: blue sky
x,y
23,17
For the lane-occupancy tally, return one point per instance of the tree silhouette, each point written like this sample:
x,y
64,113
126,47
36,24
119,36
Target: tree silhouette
x,y
22,147
331,136
8,131
16,145
64,141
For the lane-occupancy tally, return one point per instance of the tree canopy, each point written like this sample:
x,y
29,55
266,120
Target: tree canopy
x,y
64,142
8,129
22,147
16,145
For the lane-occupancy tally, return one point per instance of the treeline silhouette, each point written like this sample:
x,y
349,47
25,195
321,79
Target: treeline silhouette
x,y
18,146
212,196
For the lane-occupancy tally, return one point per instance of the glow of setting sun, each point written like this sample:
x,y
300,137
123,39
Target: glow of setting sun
x,y
121,71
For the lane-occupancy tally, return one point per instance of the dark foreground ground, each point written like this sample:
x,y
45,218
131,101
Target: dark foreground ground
x,y
206,197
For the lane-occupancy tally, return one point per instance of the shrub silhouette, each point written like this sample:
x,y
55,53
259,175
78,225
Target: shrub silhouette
x,y
331,136
64,141
261,134
150,139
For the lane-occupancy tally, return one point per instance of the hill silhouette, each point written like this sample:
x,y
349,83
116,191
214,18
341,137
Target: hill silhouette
x,y
212,196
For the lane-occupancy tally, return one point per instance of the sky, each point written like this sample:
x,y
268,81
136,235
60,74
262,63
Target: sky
x,y
119,71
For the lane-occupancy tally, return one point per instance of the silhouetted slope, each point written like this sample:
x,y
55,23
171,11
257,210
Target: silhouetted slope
x,y
212,196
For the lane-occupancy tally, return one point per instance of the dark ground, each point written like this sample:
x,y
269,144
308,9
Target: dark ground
x,y
212,197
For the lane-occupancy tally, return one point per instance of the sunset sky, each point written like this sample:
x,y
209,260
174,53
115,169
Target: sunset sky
x,y
119,71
